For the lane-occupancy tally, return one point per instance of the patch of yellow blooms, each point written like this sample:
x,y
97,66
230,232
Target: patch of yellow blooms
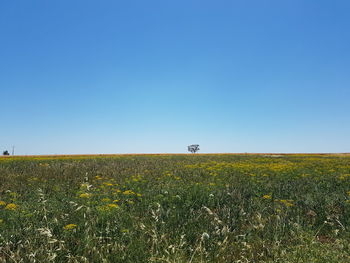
x,y
11,206
69,227
85,195
286,202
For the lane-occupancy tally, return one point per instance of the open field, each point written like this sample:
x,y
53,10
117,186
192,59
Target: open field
x,y
175,208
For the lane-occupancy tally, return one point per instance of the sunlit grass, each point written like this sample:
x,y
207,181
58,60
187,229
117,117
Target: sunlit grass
x,y
175,208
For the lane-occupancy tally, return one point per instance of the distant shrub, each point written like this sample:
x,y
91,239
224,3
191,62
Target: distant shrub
x,y
193,148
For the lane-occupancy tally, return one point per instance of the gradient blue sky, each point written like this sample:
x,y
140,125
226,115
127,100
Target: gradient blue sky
x,y
155,76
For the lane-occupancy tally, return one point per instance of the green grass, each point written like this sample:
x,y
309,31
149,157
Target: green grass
x,y
175,208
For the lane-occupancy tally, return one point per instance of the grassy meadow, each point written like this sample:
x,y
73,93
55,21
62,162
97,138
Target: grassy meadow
x,y
175,208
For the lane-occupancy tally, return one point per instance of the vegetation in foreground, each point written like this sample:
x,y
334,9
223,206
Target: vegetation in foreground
x,y
169,208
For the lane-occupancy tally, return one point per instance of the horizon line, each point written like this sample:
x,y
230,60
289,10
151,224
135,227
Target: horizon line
x,y
191,154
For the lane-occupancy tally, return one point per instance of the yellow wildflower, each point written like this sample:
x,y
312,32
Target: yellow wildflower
x,y
128,192
112,206
2,203
267,197
11,207
85,195
106,200
115,201
287,202
69,226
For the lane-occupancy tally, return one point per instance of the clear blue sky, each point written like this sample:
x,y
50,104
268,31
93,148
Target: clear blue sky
x,y
157,75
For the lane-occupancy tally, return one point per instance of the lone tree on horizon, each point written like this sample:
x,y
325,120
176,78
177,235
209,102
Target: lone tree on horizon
x,y
193,148
5,152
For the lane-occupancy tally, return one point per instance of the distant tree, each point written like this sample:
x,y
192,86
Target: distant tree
x,y
5,152
193,148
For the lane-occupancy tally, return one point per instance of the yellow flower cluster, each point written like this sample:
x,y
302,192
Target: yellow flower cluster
x,y
286,202
85,195
107,207
113,205
130,192
69,226
11,206
243,166
136,178
267,196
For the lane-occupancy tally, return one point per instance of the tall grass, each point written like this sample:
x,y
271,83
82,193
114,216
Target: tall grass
x,y
169,208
